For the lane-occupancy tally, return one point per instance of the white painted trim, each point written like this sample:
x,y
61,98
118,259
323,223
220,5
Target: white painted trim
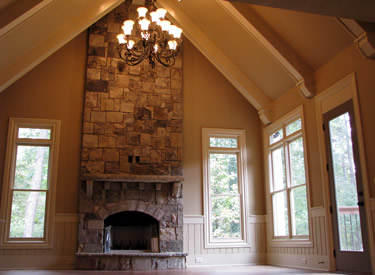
x,y
359,35
196,219
226,259
318,212
21,19
242,182
257,218
14,124
306,90
276,125
335,95
218,58
295,261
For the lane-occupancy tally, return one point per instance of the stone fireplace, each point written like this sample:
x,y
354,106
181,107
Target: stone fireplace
x,y
131,206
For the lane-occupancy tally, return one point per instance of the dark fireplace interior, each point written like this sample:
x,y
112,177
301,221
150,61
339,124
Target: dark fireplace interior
x,y
131,230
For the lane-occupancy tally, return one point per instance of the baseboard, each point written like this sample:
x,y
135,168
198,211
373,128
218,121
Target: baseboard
x,y
294,260
226,259
37,262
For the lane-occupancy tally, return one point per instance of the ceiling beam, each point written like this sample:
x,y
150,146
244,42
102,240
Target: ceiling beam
x,y
293,65
362,10
221,61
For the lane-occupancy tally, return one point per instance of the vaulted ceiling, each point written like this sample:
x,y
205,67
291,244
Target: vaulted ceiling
x,y
262,50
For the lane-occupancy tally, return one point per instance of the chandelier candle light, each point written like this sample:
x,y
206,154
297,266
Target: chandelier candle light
x,y
154,38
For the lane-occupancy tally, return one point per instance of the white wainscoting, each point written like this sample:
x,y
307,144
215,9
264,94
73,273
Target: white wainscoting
x,y
315,257
201,256
60,256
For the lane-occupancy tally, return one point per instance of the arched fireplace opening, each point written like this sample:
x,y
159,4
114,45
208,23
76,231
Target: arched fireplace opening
x,y
131,231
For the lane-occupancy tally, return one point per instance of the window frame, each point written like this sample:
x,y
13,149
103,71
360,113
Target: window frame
x,y
242,184
13,141
284,142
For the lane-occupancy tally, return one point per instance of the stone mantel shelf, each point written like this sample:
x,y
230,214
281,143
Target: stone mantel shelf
x,y
126,178
135,254
131,178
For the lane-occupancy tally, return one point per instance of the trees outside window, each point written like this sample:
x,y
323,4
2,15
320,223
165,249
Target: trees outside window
x,y
224,162
287,178
30,171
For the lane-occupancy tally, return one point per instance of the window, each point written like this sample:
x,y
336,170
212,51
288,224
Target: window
x,y
28,188
287,178
224,163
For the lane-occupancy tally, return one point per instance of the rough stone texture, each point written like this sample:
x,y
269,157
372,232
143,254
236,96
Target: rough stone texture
x,y
134,107
132,148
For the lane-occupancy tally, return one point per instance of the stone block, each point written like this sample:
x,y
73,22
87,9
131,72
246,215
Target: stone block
x,y
148,196
96,51
161,197
114,117
177,110
116,92
176,262
141,206
88,128
107,104
162,83
90,140
122,81
111,155
141,113
131,195
167,234
98,116
108,73
148,86
141,263
95,224
176,140
97,85
95,62
121,142
160,113
85,154
107,142
126,107
96,154
145,139
96,40
176,73
93,74
159,263
134,139
95,167
124,165
93,248
158,143
113,27
124,263
111,167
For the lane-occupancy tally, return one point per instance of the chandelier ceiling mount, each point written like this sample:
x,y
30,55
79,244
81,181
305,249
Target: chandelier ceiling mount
x,y
150,36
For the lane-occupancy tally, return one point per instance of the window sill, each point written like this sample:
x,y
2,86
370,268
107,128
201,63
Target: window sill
x,y
228,244
26,244
291,243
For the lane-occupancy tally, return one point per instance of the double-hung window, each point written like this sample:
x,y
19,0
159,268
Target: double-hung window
x,y
287,178
28,187
224,164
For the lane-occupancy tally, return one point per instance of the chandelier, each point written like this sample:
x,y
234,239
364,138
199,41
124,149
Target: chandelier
x,y
153,38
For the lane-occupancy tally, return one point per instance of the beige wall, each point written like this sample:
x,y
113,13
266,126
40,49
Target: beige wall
x,y
211,101
53,90
345,63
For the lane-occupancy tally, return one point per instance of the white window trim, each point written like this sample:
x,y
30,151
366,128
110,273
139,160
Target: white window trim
x,y
297,241
242,178
6,204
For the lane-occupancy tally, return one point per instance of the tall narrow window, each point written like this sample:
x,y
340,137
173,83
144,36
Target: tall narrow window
x,y
225,196
28,186
287,178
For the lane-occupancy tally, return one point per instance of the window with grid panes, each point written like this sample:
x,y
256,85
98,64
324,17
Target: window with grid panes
x,y
288,179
